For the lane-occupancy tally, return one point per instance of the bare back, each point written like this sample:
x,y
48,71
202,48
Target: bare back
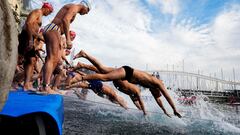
x,y
68,12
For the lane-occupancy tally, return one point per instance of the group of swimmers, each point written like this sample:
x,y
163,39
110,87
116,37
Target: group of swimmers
x,y
51,72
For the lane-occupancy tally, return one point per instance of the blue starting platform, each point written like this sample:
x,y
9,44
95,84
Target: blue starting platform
x,y
32,113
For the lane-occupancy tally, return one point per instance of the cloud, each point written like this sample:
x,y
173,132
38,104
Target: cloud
x,y
120,33
223,33
226,28
167,6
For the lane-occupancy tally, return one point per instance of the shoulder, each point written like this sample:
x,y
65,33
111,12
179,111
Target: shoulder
x,y
36,11
69,5
73,6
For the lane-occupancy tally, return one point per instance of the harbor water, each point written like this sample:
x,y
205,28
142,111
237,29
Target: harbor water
x,y
96,115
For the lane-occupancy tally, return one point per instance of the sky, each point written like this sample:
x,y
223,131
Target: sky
x,y
192,35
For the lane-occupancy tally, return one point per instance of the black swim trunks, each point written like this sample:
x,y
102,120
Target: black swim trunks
x,y
128,73
23,42
23,39
31,53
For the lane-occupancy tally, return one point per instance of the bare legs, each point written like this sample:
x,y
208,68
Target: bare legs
x,y
95,62
57,80
106,90
52,39
112,95
28,71
117,74
139,77
123,86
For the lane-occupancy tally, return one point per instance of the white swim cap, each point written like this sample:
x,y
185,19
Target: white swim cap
x,y
86,4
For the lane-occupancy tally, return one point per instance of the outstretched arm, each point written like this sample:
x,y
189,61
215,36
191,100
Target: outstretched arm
x,y
169,99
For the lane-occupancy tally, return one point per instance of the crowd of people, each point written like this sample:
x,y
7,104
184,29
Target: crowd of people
x,y
54,72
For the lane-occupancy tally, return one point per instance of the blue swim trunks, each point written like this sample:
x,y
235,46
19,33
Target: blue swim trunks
x,y
72,74
96,86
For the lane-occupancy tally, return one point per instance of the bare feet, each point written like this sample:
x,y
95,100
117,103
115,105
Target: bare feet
x,y
14,86
67,87
27,86
80,54
62,92
49,90
55,88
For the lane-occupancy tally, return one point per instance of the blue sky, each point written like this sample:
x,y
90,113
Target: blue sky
x,y
203,33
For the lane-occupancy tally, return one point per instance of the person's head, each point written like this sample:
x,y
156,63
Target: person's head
x,y
86,7
72,35
67,52
47,8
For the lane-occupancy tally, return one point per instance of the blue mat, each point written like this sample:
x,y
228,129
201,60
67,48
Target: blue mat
x,y
22,103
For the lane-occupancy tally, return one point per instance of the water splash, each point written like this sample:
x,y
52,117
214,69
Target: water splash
x,y
200,118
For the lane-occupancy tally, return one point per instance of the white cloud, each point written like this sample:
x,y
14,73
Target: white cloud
x,y
167,6
223,50
226,28
207,47
118,33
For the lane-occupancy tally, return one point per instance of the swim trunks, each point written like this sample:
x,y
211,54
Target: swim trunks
x,y
128,73
72,74
96,86
51,27
29,54
23,42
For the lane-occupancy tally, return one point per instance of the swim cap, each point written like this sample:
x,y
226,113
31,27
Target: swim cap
x,y
86,4
47,5
72,34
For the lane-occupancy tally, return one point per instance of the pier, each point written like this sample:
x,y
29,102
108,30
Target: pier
x,y
189,84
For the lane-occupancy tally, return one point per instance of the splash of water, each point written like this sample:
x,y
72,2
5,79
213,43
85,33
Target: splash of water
x,y
201,117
